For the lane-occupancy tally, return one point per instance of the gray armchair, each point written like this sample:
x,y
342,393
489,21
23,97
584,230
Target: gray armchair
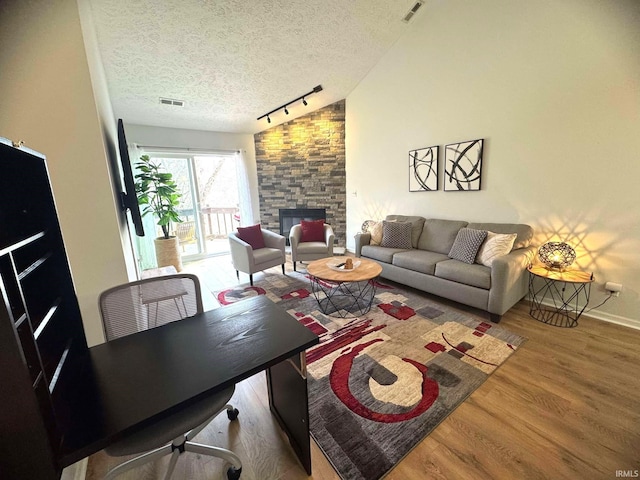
x,y
247,260
307,251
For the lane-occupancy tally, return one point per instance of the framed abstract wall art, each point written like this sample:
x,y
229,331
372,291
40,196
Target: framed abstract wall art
x,y
463,166
423,169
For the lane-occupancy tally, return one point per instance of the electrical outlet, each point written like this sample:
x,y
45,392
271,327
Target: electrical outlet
x,y
614,289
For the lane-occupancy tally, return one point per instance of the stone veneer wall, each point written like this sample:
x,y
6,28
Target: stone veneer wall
x,y
301,164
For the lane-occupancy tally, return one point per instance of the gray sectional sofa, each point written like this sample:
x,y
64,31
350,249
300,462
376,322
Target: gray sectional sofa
x,y
427,266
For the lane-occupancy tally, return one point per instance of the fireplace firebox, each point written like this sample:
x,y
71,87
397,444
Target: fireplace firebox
x,y
292,216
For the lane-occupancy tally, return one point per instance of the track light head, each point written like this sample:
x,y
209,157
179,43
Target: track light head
x,y
316,89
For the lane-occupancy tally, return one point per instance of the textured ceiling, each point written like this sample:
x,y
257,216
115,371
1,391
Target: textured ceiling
x,y
234,60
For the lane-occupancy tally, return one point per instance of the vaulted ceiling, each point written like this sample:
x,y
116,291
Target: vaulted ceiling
x,y
231,61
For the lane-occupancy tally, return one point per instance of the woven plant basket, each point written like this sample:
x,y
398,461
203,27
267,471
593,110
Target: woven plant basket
x,y
168,253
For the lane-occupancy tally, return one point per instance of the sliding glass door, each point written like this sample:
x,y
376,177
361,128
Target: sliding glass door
x,y
216,184
208,206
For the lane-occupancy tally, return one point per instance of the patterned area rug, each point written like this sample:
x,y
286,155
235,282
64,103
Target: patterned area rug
x,y
380,383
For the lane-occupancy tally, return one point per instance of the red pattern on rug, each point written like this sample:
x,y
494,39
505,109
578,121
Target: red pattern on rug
x,y
312,324
339,380
241,295
341,339
300,294
401,313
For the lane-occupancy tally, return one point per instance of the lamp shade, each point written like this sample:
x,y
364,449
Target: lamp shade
x,y
556,255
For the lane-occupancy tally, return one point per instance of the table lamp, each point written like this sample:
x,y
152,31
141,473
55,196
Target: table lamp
x,y
367,225
556,255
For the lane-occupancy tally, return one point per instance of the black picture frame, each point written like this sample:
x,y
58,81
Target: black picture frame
x,y
423,169
463,166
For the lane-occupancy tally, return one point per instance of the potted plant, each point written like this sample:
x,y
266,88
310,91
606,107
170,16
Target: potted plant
x,y
158,194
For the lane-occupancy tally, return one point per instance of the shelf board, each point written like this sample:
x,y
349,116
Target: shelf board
x,y
60,366
22,243
33,266
22,318
47,318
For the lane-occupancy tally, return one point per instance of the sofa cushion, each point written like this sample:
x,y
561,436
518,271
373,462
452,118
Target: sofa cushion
x,y
263,255
525,232
252,235
467,243
382,254
416,226
418,260
309,248
495,245
376,233
439,235
396,234
312,230
457,271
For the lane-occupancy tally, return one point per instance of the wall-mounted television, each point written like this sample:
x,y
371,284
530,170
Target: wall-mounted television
x,y
128,198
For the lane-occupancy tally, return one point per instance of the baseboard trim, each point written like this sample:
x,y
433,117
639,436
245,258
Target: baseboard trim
x,y
605,317
617,319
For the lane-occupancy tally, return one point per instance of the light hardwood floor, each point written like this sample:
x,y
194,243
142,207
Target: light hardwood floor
x,y
566,405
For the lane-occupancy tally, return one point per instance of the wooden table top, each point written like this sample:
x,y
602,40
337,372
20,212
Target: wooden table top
x,y
367,270
571,276
135,380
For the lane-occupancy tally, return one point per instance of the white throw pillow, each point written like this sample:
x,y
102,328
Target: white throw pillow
x,y
376,233
496,245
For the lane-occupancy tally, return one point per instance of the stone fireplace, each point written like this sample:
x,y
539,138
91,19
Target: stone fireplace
x,y
301,166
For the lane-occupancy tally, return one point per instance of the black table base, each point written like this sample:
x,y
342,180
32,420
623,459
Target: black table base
x,y
563,304
343,299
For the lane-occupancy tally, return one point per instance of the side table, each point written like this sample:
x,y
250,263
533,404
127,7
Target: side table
x,y
558,298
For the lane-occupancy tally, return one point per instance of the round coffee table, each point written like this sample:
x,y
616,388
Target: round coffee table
x,y
342,292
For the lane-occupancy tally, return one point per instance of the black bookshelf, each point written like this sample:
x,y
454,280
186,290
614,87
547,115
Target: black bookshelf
x,y
42,339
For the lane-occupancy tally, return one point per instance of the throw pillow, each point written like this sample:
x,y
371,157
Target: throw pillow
x,y
376,233
396,234
496,245
312,230
252,235
466,245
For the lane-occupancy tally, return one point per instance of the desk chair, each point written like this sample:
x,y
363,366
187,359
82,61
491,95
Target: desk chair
x,y
150,303
307,251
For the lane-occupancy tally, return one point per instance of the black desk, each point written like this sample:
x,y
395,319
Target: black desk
x,y
135,380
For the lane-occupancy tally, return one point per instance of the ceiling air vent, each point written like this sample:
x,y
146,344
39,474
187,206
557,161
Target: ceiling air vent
x,y
413,11
171,101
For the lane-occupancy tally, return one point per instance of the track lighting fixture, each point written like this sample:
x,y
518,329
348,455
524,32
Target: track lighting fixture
x,y
284,107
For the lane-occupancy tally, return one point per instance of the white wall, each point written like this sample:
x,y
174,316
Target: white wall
x,y
108,125
553,88
47,101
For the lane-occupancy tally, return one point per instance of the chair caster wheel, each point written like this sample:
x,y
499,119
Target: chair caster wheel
x,y
232,415
234,474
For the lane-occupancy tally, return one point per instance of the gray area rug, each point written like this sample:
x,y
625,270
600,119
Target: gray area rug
x,y
380,383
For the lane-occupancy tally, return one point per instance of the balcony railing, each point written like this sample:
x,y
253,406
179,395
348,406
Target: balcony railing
x,y
216,222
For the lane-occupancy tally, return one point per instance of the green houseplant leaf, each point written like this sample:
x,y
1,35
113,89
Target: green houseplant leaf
x,y
157,193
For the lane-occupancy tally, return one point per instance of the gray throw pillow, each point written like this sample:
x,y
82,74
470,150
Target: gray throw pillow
x,y
466,245
396,234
